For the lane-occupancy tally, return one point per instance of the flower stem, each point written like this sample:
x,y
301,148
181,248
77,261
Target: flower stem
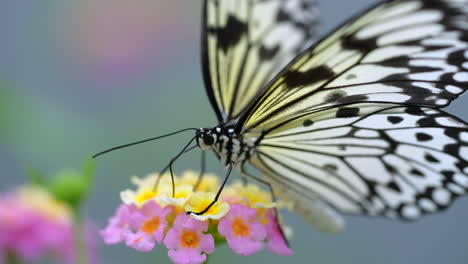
x,y
12,258
80,248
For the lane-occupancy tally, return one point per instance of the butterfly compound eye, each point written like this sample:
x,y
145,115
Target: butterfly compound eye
x,y
208,139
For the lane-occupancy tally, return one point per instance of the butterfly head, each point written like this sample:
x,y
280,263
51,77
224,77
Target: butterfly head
x,y
207,137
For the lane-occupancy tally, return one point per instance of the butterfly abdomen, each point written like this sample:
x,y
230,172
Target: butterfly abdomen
x,y
229,146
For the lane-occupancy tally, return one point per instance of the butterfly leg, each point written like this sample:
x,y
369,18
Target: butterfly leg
x,y
202,171
273,196
230,166
169,166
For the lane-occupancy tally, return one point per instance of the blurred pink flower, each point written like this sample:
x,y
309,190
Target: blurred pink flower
x,y
276,242
33,225
186,241
118,226
242,231
150,223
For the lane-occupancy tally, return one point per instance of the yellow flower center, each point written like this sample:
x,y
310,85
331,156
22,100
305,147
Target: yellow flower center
x,y
189,239
151,225
145,196
213,209
239,227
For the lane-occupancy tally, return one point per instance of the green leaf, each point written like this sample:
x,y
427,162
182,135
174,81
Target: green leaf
x,y
73,186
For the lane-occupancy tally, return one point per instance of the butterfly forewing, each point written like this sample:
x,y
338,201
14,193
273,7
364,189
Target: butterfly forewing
x,y
396,161
407,52
247,42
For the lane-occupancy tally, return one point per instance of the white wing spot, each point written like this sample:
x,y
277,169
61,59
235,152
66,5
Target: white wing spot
x,y
453,89
465,65
461,179
367,133
427,205
441,196
455,188
411,212
448,122
464,152
442,102
461,77
464,136
412,33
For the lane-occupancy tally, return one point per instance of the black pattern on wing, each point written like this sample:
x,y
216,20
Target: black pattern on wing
x,y
402,51
377,159
246,43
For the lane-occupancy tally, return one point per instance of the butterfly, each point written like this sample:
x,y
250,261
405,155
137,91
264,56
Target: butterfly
x,y
349,123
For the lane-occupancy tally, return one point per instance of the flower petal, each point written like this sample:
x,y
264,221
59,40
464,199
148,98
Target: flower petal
x,y
186,256
243,246
140,241
171,241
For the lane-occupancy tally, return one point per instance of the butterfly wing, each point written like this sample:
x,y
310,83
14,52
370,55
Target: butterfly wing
x,y
408,52
246,43
390,160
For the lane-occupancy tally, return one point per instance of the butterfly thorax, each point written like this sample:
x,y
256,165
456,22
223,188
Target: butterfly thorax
x,y
226,143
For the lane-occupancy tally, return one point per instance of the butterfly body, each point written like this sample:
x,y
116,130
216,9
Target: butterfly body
x,y
228,145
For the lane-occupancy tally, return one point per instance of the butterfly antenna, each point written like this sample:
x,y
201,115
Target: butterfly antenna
x,y
140,141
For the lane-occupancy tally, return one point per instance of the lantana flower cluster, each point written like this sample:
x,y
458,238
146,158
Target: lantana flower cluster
x,y
34,225
243,218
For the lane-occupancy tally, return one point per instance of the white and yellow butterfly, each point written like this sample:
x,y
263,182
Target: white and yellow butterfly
x,y
350,123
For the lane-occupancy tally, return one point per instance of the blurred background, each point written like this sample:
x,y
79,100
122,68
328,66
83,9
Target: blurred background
x,y
80,76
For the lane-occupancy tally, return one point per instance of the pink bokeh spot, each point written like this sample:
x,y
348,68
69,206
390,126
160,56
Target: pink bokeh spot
x,y
150,221
242,231
276,242
187,242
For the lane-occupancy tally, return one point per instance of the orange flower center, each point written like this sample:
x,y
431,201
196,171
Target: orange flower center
x,y
189,239
240,228
151,225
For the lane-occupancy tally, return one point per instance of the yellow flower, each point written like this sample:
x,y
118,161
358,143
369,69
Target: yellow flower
x,y
163,194
182,193
200,200
42,202
209,182
144,192
250,195
138,198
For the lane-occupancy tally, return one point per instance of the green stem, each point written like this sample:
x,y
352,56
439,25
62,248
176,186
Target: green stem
x,y
80,246
12,258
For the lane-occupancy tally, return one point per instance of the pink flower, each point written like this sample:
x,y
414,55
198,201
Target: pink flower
x,y
242,231
276,242
150,223
35,226
118,226
186,241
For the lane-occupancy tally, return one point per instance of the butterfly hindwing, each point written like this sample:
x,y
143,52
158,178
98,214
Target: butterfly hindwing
x,y
247,42
391,160
406,52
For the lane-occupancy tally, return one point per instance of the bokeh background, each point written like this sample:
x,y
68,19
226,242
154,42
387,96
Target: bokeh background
x,y
80,76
